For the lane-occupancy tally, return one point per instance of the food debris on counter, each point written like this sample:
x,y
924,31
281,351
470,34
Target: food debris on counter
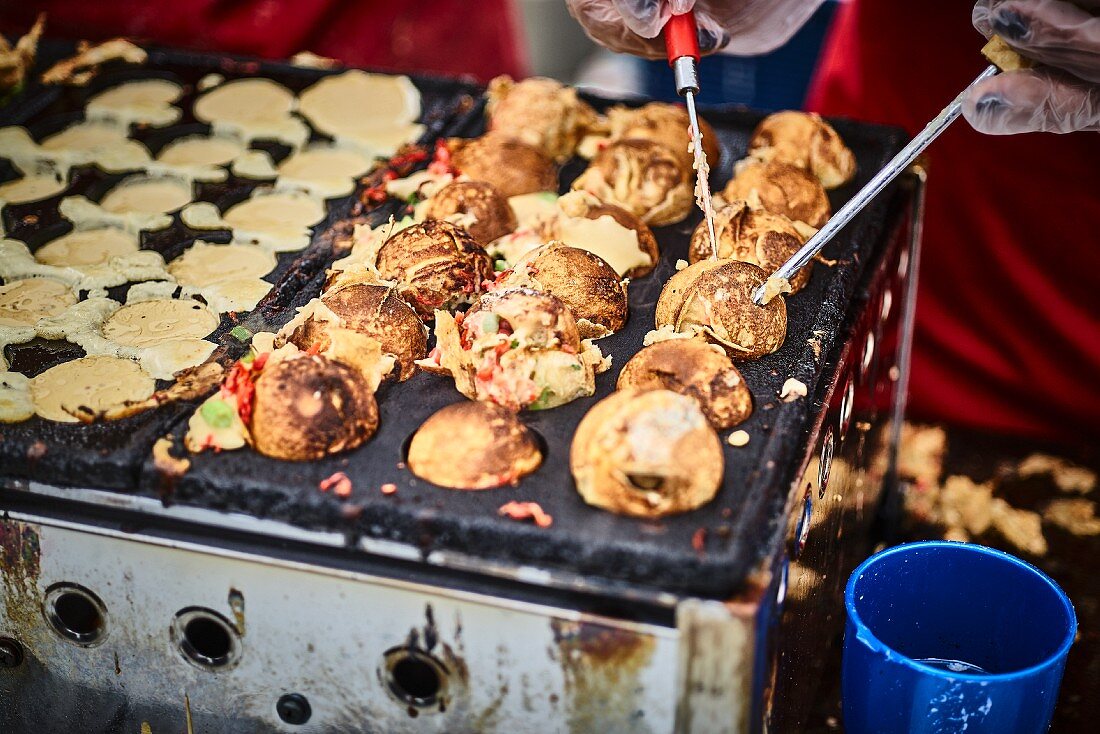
x,y
526,511
967,510
389,488
1076,516
1068,476
1023,529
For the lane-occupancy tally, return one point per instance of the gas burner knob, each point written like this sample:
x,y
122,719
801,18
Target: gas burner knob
x,y
293,708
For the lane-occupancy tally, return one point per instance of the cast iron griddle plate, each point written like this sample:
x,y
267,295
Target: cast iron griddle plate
x,y
582,539
109,455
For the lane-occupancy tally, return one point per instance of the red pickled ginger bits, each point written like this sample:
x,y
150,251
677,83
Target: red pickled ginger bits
x,y
338,483
699,540
411,158
441,160
526,511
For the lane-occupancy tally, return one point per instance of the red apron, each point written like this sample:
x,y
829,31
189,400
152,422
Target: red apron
x,y
1008,317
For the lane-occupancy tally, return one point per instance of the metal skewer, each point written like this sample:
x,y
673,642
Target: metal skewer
x,y
863,197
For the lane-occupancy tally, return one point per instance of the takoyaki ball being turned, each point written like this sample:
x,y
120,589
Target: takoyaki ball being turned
x,y
667,124
588,286
780,188
541,112
473,445
511,166
752,236
694,368
371,309
307,407
646,454
436,265
805,140
644,178
518,348
714,298
476,206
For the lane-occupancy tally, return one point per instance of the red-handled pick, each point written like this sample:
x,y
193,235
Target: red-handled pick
x,y
682,45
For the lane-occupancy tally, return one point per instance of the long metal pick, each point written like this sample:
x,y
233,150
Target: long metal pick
x,y
863,197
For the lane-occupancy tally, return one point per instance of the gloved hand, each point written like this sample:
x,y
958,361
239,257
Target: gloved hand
x,y
1062,93
742,27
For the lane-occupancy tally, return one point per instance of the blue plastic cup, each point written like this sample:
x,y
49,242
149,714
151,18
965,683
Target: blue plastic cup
x,y
950,637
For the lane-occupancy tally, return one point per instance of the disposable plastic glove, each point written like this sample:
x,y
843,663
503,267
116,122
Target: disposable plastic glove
x,y
741,27
1061,93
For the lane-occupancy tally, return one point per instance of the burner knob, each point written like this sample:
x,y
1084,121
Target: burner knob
x,y
293,708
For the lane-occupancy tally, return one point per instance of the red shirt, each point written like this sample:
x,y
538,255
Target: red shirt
x,y
1008,316
443,36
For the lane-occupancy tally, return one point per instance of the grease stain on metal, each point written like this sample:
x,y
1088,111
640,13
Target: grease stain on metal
x,y
602,666
20,553
236,605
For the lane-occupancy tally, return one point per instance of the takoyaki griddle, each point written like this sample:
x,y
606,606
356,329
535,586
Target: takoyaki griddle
x,y
584,540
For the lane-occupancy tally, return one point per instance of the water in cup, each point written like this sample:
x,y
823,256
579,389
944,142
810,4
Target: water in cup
x,y
953,666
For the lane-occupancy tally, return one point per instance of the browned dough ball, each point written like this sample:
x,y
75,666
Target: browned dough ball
x,y
307,407
473,445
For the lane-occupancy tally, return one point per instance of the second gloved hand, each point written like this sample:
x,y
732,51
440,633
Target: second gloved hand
x,y
1062,93
743,27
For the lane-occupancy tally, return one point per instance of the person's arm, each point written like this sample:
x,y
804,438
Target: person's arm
x,y
743,27
1061,93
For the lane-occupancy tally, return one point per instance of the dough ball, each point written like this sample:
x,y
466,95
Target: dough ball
x,y
646,454
694,368
643,177
781,189
805,140
436,264
588,286
540,112
511,166
751,235
473,445
714,298
482,210
307,407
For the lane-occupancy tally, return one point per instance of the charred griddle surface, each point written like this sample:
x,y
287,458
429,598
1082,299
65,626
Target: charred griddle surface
x,y
109,455
739,523
584,540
